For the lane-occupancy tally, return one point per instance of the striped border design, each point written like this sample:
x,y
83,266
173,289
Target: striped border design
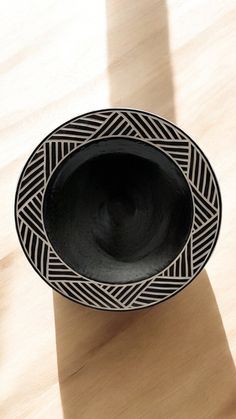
x,y
128,123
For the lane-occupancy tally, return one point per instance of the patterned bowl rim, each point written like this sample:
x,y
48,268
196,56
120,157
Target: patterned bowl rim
x,y
146,292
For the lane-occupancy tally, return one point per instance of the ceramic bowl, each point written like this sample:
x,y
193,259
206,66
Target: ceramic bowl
x,y
118,209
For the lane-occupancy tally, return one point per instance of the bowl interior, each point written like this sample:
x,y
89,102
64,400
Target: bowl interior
x,y
118,210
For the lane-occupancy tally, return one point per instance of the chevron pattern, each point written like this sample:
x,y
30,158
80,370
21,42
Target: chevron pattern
x,y
160,134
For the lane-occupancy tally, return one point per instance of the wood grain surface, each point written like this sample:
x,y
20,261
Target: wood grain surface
x,y
59,59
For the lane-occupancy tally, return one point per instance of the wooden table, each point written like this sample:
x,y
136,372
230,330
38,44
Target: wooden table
x,y
60,59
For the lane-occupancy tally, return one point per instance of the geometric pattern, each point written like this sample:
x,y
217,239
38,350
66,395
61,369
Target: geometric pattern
x,y
115,123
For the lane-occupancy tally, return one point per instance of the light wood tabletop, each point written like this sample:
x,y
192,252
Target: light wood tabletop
x,y
175,58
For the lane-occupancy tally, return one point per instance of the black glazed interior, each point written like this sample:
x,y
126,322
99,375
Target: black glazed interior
x,y
118,210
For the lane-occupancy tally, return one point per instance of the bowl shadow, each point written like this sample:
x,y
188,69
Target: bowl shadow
x,y
168,361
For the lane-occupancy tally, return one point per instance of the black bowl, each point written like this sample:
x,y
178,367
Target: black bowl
x,y
118,209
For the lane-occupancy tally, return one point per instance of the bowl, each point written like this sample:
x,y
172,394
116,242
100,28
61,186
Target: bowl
x,y
118,209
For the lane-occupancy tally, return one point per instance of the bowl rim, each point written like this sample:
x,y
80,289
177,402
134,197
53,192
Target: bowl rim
x,y
190,141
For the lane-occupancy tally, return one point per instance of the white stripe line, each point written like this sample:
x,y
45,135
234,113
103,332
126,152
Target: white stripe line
x,y
40,193
186,260
191,255
58,263
174,269
66,136
197,267
175,145
157,289
69,289
195,253
156,127
181,282
39,151
131,124
94,297
200,210
64,140
63,291
212,210
41,259
36,250
142,291
149,299
123,292
199,220
125,128
213,199
38,200
25,234
104,295
30,244
205,168
87,124
20,222
43,240
175,129
189,159
34,170
32,221
183,162
32,180
56,152
62,274
210,189
119,125
34,161
132,117
26,193
179,278
21,207
208,227
140,305
204,239
111,124
193,164
199,171
82,298
199,216
33,211
195,226
165,127
36,204
136,289
50,157
76,130
148,121
94,133
202,255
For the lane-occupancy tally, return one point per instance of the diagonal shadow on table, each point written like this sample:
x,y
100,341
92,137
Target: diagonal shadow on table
x,y
169,361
